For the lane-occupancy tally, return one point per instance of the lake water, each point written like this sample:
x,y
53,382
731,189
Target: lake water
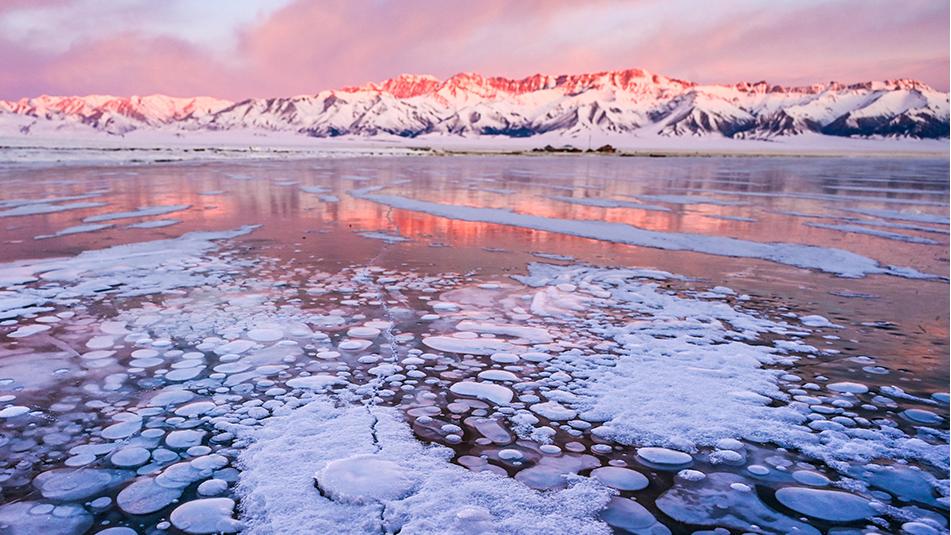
x,y
773,330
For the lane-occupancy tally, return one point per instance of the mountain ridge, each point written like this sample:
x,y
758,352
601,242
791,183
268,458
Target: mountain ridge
x,y
624,102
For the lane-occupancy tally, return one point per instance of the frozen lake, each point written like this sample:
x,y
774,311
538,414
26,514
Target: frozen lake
x,y
484,344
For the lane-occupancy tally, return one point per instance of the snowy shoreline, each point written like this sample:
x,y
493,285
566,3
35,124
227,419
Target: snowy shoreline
x,y
64,147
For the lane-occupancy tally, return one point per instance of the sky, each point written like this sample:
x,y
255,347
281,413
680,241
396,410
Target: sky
x,y
255,48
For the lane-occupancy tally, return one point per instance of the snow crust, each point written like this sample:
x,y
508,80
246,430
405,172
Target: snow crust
x,y
420,492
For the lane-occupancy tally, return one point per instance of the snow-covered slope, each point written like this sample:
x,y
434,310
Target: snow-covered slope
x,y
619,103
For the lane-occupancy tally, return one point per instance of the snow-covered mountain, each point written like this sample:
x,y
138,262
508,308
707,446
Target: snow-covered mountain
x,y
630,102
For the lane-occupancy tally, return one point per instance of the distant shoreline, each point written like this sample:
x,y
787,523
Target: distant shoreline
x,y
16,150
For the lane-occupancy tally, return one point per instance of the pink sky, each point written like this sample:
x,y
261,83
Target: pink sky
x,y
241,48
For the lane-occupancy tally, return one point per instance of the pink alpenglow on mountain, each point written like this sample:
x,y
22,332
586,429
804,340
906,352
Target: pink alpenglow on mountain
x,y
624,102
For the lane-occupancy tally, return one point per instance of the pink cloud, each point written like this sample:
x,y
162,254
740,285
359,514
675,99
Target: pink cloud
x,y
309,46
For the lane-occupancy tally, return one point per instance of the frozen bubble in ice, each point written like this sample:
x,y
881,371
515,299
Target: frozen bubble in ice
x,y
184,374
97,354
354,345
206,516
365,479
80,460
816,320
470,346
922,416
237,347
664,456
504,358
23,518
510,455
113,327
691,475
629,516
729,444
363,332
620,478
551,472
497,394
123,429
144,496
184,438
315,382
130,456
213,487
100,342
535,356
553,411
757,469
118,530
727,456
211,461
13,411
29,330
847,387
831,505
498,375
195,409
264,334
64,484
170,396
808,477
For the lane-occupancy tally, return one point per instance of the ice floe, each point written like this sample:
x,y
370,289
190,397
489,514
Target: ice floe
x,y
78,229
140,212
